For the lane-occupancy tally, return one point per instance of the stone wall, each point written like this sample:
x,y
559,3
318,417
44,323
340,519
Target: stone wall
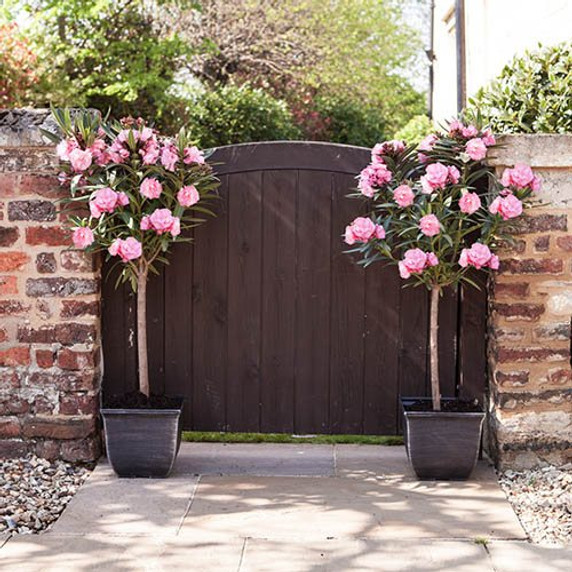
x,y
49,307
531,310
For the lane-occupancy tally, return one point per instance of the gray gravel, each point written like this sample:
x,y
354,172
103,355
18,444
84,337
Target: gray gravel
x,y
34,492
542,499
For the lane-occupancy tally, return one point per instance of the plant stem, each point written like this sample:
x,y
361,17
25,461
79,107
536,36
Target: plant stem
x,y
434,347
142,330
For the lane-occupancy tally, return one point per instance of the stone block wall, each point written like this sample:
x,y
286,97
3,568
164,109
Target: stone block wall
x,y
530,314
49,307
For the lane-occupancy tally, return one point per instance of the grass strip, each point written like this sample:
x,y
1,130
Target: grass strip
x,y
217,437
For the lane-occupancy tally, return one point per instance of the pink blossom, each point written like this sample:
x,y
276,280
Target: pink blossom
x,y
488,138
428,142
188,196
122,199
80,160
145,134
150,152
145,223
117,152
520,177
193,155
415,261
469,203
429,225
98,150
469,131
106,200
128,249
507,207
82,237
176,227
479,256
362,230
373,176
151,188
65,147
389,148
403,196
435,177
162,221
169,157
454,175
455,127
476,149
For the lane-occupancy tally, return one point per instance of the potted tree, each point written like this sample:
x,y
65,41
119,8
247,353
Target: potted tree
x,y
438,213
133,193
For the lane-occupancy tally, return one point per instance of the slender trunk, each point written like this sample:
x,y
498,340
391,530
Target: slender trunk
x,y
434,347
142,331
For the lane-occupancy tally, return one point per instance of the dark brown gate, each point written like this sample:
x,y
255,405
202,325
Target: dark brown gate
x,y
265,325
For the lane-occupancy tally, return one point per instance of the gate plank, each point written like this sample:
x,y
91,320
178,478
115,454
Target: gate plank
x,y
244,306
313,320
278,300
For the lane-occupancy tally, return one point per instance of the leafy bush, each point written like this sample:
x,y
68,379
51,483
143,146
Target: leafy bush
x,y
230,114
533,94
417,128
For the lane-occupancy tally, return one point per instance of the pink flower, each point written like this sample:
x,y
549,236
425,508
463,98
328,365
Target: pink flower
x,y
151,188
169,157
428,142
150,152
80,160
162,221
122,199
435,177
415,261
82,237
455,127
193,155
476,149
478,256
469,131
389,148
488,138
454,175
188,196
65,147
362,230
507,207
176,227
373,177
145,223
117,152
469,203
128,249
403,196
520,177
106,200
429,225
98,150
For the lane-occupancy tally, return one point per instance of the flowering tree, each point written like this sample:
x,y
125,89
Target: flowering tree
x,y
437,212
137,192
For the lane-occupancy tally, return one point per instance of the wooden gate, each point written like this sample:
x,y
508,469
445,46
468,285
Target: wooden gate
x,y
264,324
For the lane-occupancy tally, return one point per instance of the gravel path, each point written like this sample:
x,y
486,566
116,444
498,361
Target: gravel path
x,y
542,499
34,492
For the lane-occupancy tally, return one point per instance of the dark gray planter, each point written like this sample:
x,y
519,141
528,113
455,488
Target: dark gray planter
x,y
442,445
142,442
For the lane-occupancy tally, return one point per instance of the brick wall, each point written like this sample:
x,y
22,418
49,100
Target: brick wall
x,y
49,307
530,314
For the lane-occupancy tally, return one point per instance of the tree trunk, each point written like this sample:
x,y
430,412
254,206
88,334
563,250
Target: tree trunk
x,y
434,347
142,332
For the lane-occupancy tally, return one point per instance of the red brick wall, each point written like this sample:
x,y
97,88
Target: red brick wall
x,y
49,308
531,309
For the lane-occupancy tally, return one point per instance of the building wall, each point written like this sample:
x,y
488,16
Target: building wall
x,y
495,31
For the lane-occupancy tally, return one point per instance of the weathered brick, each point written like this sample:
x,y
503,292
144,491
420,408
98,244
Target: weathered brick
x,y
3,335
560,376
46,263
513,378
43,405
45,358
78,404
73,333
511,289
8,235
58,428
12,307
8,285
532,354
44,309
9,427
8,185
68,381
13,448
76,308
541,223
553,331
36,287
48,236
13,405
31,210
542,243
9,379
512,334
82,450
513,246
69,359
77,261
48,449
565,242
526,312
532,266
43,185
41,335
15,356
10,261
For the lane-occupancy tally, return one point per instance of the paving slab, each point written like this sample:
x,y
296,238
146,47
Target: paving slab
x,y
319,509
127,506
4,537
255,459
62,553
523,556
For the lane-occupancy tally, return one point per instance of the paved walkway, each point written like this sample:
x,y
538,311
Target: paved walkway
x,y
294,508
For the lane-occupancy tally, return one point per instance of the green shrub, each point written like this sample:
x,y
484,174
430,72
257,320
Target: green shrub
x,y
533,94
230,114
415,130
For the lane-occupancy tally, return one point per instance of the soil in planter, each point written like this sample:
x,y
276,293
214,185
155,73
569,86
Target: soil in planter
x,y
138,400
448,406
